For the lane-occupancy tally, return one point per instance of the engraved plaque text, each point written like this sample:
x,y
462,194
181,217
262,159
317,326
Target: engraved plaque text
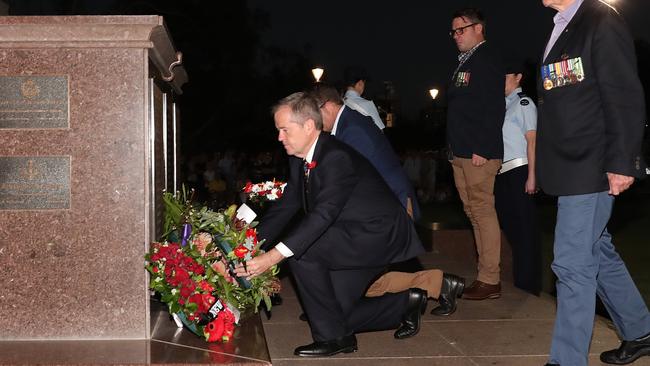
x,y
34,182
34,102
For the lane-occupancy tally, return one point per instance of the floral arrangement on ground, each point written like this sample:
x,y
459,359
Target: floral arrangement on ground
x,y
192,267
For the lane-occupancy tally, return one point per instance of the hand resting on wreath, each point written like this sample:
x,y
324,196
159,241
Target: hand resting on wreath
x,y
258,265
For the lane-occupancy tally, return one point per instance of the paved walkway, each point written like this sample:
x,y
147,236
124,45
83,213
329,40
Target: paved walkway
x,y
513,330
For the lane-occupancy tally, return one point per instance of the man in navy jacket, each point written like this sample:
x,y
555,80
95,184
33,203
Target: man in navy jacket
x,y
475,113
591,114
360,133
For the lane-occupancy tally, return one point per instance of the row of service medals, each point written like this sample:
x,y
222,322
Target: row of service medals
x,y
565,72
462,79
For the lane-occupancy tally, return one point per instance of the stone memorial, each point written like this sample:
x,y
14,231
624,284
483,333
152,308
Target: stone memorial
x,y
89,133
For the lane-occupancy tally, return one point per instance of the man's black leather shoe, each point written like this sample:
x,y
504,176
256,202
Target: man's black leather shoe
x,y
303,317
345,344
452,288
628,352
417,304
552,364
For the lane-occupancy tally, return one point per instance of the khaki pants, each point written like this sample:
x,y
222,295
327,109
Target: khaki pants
x,y
392,282
476,189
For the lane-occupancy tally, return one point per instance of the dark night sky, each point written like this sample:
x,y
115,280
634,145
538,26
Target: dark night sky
x,y
408,44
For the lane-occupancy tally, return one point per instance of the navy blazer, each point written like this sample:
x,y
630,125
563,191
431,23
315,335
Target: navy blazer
x,y
594,126
476,109
352,218
361,133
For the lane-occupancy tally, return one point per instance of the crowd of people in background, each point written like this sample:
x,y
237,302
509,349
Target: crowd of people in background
x,y
218,177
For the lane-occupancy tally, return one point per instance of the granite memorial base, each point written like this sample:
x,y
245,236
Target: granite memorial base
x,y
169,345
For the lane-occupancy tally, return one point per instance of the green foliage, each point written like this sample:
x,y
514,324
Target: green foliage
x,y
218,226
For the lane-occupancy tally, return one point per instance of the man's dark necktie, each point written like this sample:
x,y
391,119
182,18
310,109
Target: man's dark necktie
x,y
305,184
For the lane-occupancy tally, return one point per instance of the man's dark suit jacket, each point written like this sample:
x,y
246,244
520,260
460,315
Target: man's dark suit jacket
x,y
475,111
361,133
595,126
353,219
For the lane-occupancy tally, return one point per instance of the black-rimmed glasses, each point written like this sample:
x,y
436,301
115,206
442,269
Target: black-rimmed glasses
x,y
460,30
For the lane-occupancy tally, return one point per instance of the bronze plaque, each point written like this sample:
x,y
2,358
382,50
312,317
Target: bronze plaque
x,y
34,102
34,182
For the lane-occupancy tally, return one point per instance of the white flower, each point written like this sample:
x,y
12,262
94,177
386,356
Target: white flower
x,y
174,291
248,243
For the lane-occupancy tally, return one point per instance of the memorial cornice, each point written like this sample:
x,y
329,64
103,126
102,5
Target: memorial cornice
x,y
139,31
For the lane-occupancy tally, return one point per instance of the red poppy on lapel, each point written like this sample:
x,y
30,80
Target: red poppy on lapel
x,y
311,165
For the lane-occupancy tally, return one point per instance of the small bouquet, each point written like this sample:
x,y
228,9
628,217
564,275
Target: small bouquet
x,y
264,191
192,268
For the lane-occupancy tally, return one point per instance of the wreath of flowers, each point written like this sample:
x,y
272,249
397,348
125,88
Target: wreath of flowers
x,y
264,191
192,268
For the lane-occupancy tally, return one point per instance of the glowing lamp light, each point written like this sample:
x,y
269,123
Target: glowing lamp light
x,y
434,93
318,73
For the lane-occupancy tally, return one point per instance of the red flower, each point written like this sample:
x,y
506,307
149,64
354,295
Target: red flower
x,y
252,233
240,251
214,329
229,324
205,286
221,328
203,302
249,187
311,165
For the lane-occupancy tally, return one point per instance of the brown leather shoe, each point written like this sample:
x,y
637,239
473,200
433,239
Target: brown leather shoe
x,y
480,291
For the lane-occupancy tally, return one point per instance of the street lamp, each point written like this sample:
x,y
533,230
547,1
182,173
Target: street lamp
x,y
318,73
434,93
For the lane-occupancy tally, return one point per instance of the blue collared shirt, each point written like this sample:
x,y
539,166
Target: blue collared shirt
x,y
561,20
364,106
519,119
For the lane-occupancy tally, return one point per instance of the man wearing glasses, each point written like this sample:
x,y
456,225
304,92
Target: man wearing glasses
x,y
476,109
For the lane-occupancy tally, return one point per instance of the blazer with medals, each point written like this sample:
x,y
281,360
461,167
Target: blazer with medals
x,y
590,122
476,106
361,133
350,216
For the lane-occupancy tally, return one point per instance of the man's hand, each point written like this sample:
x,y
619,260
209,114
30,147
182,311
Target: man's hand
x,y
478,160
259,264
618,183
530,185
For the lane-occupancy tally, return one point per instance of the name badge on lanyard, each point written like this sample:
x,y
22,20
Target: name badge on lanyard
x,y
562,73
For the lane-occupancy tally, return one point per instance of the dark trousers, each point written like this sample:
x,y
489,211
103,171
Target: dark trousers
x,y
518,219
334,300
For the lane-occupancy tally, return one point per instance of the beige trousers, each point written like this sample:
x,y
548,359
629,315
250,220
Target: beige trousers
x,y
476,189
392,282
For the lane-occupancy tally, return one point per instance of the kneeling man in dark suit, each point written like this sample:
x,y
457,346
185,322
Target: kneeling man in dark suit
x,y
351,227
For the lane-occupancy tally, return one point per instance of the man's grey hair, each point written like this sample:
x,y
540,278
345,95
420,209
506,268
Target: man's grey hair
x,y
303,107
